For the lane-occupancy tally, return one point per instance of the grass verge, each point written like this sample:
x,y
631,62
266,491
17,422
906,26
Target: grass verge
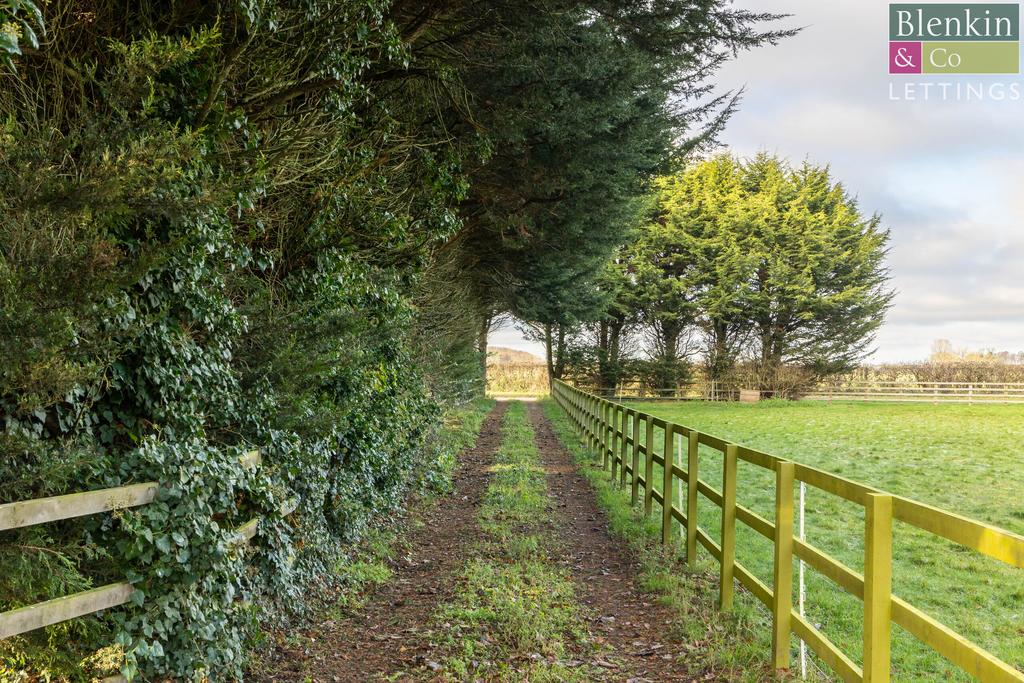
x,y
731,647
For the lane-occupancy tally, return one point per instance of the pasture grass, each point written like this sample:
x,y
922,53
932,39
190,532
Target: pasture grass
x,y
965,459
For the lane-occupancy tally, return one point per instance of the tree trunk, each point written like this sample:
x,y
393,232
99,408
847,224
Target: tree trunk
x,y
559,369
670,338
481,344
602,356
719,358
548,354
614,353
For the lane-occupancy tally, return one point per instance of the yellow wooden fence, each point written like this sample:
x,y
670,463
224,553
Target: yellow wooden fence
x,y
42,510
623,436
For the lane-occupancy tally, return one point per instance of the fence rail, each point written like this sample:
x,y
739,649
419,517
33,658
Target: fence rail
x,y
933,392
614,430
43,510
919,392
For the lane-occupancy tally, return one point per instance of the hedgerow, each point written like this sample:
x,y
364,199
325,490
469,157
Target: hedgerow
x,y
184,279
287,225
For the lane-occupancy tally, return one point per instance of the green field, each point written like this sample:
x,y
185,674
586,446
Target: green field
x,y
966,459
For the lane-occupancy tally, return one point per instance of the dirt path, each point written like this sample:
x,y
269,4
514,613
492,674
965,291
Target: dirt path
x,y
624,619
391,632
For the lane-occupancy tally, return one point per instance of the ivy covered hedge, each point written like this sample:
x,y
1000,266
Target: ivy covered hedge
x,y
192,267
288,225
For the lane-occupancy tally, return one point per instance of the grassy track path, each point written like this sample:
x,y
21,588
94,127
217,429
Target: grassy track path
x,y
391,631
633,628
515,577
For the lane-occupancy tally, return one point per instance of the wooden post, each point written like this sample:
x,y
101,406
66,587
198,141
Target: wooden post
x,y
635,483
603,426
615,441
581,418
877,587
782,607
609,435
666,487
609,431
728,528
587,423
691,498
588,417
622,447
649,467
581,411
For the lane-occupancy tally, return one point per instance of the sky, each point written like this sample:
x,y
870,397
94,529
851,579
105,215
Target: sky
x,y
947,176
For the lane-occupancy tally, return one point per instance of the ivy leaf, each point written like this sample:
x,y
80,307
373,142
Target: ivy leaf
x,y
129,670
164,544
9,43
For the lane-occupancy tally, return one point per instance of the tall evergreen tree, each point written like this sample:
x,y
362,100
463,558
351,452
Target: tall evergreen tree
x,y
704,208
581,104
820,287
764,260
666,294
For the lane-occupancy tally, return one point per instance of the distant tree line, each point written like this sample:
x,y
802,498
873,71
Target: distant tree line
x,y
752,272
960,371
943,352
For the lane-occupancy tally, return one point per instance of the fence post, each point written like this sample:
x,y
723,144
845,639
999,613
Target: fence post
x,y
587,423
666,486
581,418
615,441
609,433
877,587
728,528
603,426
782,606
585,415
635,483
574,401
692,474
649,467
613,412
622,448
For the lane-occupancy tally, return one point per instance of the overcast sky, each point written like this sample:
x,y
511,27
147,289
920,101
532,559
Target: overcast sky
x,y
946,176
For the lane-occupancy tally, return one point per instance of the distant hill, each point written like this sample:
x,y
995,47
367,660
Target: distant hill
x,y
499,355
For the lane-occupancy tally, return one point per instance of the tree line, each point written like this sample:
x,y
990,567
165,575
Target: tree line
x,y
288,225
752,272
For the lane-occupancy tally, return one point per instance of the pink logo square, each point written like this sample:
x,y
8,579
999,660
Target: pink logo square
x,y
904,57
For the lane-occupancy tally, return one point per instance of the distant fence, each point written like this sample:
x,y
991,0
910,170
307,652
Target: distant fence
x,y
918,392
689,391
42,510
622,435
934,392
